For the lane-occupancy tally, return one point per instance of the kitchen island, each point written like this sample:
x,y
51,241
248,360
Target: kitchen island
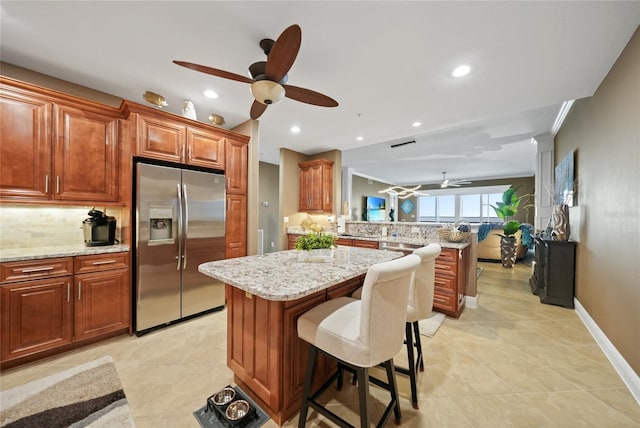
x,y
265,295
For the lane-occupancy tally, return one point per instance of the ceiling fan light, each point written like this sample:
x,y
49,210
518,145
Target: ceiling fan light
x,y
267,92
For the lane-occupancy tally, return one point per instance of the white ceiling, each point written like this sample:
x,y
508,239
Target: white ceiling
x,y
387,63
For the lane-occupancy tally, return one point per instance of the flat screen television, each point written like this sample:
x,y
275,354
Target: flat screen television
x,y
374,208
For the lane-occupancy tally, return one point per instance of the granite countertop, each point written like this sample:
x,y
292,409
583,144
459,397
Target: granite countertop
x,y
399,240
59,251
280,276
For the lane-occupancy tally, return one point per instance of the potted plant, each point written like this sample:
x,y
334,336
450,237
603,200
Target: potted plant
x,y
505,210
316,245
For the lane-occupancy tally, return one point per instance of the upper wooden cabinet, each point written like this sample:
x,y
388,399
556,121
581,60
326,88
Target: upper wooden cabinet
x,y
161,136
316,186
237,165
54,149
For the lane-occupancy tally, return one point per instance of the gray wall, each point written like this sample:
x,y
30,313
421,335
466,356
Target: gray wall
x,y
604,131
360,187
268,216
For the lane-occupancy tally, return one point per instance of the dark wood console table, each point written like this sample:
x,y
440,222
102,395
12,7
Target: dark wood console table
x,y
553,278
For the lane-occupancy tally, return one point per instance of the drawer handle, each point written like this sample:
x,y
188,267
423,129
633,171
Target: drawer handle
x,y
38,269
104,262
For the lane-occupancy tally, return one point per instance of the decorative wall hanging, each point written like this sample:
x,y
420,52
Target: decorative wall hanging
x,y
407,206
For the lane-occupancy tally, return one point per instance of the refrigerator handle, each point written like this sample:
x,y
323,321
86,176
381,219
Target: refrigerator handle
x,y
185,227
179,237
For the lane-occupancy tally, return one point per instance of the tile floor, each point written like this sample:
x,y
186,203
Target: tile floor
x,y
512,362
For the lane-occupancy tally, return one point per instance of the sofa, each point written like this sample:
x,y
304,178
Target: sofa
x,y
489,247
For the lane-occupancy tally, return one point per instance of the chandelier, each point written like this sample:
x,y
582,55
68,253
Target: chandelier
x,y
404,192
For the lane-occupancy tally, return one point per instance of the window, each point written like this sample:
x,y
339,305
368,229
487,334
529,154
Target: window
x,y
469,204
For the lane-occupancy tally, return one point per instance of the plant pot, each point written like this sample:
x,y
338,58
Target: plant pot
x,y
324,255
508,251
560,219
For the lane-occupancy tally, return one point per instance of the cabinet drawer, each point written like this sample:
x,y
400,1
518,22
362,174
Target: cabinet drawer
x,y
446,283
99,262
366,244
446,268
33,269
444,301
448,255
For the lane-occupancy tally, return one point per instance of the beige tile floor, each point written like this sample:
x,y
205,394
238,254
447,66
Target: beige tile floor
x,y
512,362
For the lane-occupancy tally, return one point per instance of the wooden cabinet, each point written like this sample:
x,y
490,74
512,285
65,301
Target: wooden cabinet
x,y
25,152
85,164
236,226
37,311
53,150
236,173
45,309
159,136
366,244
316,186
237,159
264,351
450,281
553,278
102,295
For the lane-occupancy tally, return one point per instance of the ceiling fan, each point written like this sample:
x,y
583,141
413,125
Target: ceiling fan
x,y
268,77
448,183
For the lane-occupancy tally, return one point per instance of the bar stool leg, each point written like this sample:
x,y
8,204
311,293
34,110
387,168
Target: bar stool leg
x,y
412,365
363,393
416,332
311,371
393,389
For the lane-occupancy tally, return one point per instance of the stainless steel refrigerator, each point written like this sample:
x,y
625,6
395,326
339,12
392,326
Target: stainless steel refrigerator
x,y
180,223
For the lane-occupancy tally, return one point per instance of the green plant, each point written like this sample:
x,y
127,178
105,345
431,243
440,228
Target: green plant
x,y
508,208
315,240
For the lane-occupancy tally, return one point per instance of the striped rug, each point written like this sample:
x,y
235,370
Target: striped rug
x,y
87,395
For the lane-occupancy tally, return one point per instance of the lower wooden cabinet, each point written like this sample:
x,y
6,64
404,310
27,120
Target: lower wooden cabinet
x,y
264,351
36,316
451,281
46,309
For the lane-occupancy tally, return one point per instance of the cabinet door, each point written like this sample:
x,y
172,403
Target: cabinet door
x,y
237,162
36,316
305,189
85,155
236,226
161,139
205,148
101,303
25,152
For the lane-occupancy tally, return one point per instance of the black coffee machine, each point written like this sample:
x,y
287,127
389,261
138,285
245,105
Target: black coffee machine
x,y
99,229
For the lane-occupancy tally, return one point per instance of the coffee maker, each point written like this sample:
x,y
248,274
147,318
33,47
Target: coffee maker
x,y
99,229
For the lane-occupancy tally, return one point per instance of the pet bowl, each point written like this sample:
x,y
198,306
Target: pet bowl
x,y
238,410
224,396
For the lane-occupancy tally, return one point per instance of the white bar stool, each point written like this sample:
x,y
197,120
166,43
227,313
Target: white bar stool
x,y
360,334
419,307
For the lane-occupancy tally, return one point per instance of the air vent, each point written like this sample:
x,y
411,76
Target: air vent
x,y
393,146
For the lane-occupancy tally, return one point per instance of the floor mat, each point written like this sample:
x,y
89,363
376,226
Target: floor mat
x,y
429,326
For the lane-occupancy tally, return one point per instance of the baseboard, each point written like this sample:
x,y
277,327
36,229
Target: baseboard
x,y
471,301
628,375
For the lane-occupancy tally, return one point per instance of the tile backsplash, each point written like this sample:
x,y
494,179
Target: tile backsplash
x,y
24,226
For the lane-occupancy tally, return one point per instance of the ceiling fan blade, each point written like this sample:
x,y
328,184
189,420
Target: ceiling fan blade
x,y
283,53
215,72
257,109
309,97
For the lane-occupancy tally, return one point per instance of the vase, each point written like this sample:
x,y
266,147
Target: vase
x,y
560,219
508,251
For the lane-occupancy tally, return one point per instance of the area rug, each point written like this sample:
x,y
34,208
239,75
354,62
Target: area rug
x,y
87,395
429,326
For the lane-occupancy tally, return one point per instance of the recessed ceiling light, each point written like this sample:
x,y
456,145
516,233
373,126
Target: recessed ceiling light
x,y
359,138
416,124
461,70
295,129
210,94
